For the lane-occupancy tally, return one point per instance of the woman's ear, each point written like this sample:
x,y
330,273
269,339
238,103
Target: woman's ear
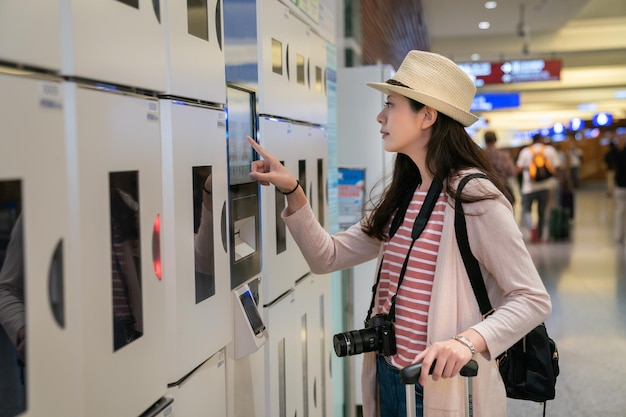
x,y
430,117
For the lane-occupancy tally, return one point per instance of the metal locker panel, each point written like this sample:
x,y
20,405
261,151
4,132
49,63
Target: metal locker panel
x,y
312,297
119,42
202,393
277,72
195,65
118,160
283,358
300,49
34,33
315,150
317,98
281,259
33,156
194,142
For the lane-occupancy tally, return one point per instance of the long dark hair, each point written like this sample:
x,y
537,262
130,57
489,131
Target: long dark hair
x,y
449,150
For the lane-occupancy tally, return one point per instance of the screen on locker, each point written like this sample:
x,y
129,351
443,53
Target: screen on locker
x,y
12,307
197,19
241,123
277,57
204,255
249,306
125,258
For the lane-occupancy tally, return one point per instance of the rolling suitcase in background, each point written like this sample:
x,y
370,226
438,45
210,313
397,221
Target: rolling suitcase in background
x,y
559,225
411,374
566,198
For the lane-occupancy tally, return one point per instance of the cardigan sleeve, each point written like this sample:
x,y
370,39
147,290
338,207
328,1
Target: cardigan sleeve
x,y
327,253
511,278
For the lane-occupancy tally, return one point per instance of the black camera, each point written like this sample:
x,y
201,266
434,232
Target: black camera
x,y
377,336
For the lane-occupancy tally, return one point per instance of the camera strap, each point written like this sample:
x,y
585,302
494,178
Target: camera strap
x,y
418,227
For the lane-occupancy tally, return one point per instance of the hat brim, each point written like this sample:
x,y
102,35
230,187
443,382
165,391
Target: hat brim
x,y
460,115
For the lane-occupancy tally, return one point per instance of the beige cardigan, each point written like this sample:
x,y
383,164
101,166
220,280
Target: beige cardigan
x,y
512,281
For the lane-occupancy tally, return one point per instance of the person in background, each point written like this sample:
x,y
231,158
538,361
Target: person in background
x,y
539,191
619,192
574,159
609,161
436,315
502,163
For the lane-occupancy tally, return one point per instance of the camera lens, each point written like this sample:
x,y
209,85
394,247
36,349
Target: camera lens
x,y
355,342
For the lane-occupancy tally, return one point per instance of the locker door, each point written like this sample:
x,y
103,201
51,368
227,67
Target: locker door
x,y
195,258
318,112
277,70
115,41
203,393
194,33
35,36
118,192
38,285
312,296
282,262
315,150
284,359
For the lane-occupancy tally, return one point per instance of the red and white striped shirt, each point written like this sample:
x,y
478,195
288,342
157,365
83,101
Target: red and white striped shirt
x,y
413,298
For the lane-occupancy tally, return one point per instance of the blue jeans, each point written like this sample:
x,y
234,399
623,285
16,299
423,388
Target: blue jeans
x,y
392,392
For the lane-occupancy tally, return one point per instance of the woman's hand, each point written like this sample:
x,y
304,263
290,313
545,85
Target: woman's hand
x,y
451,356
269,170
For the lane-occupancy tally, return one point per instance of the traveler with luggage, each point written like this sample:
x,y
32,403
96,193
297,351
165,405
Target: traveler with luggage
x,y
539,164
423,307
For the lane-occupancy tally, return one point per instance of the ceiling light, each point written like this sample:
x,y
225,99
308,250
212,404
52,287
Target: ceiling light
x,y
490,5
475,57
483,25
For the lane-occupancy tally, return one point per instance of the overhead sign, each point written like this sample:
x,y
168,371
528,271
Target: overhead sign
x,y
508,72
493,101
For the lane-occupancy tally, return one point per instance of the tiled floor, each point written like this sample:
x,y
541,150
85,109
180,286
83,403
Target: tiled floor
x,y
586,278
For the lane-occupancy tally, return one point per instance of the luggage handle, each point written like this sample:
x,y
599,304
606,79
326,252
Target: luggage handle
x,y
411,373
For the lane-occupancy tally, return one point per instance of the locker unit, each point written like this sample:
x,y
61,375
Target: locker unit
x,y
281,259
114,41
196,263
292,65
115,171
34,37
36,260
312,294
203,392
194,39
283,358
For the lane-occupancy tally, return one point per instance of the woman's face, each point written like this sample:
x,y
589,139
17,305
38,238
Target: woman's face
x,y
401,126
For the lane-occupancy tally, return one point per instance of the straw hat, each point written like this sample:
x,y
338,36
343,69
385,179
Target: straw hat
x,y
435,81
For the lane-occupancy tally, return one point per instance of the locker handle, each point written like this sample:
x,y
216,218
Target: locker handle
x,y
287,61
156,246
223,227
157,9
308,72
55,285
218,23
315,392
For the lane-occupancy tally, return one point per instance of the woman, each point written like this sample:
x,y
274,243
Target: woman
x,y
436,314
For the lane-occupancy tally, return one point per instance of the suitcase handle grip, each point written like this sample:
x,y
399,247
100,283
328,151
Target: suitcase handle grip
x,y
411,373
